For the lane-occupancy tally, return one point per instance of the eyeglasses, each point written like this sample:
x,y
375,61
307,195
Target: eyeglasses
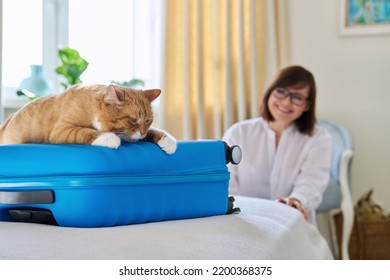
x,y
296,98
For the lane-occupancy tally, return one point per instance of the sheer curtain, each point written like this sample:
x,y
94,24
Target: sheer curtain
x,y
1,55
218,57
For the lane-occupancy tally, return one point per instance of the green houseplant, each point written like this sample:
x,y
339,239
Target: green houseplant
x,y
73,65
133,83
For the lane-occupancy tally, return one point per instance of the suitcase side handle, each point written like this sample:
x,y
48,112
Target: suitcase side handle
x,y
26,197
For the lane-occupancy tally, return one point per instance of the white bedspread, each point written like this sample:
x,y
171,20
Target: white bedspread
x,y
263,230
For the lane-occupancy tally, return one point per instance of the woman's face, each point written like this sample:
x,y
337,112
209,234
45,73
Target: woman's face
x,y
288,104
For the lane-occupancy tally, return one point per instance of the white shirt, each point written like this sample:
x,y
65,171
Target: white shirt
x,y
299,167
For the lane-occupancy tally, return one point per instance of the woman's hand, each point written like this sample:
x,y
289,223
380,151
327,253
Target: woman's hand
x,y
295,203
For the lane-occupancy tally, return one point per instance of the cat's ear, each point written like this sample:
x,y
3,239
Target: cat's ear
x,y
111,96
152,94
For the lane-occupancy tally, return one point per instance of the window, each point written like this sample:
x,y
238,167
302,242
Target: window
x,y
22,39
104,39
121,39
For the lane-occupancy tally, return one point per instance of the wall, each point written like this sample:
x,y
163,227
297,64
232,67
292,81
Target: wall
x,y
353,78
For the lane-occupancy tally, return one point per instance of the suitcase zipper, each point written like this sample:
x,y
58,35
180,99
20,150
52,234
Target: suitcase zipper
x,y
120,180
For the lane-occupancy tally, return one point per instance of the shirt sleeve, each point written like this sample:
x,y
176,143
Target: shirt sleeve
x,y
313,176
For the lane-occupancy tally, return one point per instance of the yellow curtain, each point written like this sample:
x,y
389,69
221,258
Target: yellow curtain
x,y
218,56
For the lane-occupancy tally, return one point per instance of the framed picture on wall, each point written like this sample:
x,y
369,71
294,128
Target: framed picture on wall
x,y
365,17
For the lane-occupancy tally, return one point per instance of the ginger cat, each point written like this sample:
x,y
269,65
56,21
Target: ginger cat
x,y
88,114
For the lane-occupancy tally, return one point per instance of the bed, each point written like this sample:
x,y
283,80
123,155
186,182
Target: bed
x,y
262,230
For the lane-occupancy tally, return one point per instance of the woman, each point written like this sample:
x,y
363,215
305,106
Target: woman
x,y
286,157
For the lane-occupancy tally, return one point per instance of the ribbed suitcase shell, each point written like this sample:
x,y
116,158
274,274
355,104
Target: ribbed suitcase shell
x,y
99,187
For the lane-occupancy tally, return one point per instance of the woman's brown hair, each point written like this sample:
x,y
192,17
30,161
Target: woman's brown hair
x,y
297,77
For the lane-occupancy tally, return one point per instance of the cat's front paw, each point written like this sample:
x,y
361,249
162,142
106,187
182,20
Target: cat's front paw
x,y
107,139
167,144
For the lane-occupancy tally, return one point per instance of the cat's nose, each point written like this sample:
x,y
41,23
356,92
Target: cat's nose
x,y
143,132
143,135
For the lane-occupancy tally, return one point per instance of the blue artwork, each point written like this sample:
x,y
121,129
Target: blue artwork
x,y
367,12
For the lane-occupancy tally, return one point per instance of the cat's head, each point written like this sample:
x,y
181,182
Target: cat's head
x,y
128,112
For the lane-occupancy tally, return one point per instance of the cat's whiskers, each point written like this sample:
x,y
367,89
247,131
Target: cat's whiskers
x,y
131,138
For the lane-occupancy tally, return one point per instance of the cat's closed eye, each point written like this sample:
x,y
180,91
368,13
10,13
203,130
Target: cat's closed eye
x,y
148,121
134,121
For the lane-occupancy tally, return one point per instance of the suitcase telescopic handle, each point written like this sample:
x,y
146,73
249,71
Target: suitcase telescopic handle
x,y
233,154
26,197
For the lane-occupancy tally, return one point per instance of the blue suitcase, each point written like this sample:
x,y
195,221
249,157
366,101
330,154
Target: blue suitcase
x,y
90,186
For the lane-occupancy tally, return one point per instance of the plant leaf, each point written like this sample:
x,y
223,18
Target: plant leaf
x,y
73,65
